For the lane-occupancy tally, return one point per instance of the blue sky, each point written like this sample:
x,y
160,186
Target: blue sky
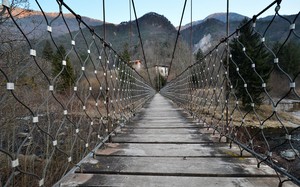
x,y
118,10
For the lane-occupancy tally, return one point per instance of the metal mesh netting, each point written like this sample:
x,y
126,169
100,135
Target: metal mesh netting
x,y
59,103
245,89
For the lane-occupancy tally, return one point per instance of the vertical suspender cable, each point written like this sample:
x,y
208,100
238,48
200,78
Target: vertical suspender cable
x,y
109,127
141,41
227,67
191,36
191,53
104,24
130,28
177,37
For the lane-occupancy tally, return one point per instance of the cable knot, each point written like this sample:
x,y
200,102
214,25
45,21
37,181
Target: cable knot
x,y
92,30
254,18
224,40
105,44
278,2
78,17
237,31
60,2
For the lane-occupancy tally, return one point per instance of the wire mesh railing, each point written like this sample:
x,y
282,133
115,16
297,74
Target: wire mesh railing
x,y
245,89
62,95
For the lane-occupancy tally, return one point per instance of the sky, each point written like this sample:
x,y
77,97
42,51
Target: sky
x,y
117,11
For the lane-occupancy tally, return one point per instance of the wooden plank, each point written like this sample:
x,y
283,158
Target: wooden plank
x,y
162,121
160,138
163,125
197,167
170,150
168,181
160,130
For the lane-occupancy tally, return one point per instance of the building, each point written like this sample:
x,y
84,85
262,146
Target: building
x,y
162,70
136,64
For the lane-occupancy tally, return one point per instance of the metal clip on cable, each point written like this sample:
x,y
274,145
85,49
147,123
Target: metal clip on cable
x,y
5,5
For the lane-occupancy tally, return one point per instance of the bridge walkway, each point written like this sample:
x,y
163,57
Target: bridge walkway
x,y
163,146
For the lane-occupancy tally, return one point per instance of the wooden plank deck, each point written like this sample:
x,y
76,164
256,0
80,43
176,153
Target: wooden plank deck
x,y
162,147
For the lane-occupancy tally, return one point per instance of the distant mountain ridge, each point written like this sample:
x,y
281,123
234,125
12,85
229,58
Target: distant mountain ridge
x,y
211,30
30,19
152,27
157,32
221,16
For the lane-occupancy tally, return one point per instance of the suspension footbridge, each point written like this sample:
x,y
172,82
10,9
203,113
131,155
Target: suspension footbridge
x,y
164,146
80,114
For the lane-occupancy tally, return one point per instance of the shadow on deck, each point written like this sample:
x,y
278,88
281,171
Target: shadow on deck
x,y
162,146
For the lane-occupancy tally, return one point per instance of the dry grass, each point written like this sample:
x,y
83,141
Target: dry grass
x,y
264,115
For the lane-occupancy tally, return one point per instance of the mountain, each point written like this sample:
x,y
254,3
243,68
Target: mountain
x,y
211,30
158,36
153,27
34,22
233,17
204,34
157,33
222,17
279,29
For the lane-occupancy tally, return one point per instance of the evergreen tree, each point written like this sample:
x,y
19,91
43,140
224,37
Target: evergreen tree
x,y
261,60
125,54
199,55
289,57
195,70
66,77
122,67
47,51
122,74
194,78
